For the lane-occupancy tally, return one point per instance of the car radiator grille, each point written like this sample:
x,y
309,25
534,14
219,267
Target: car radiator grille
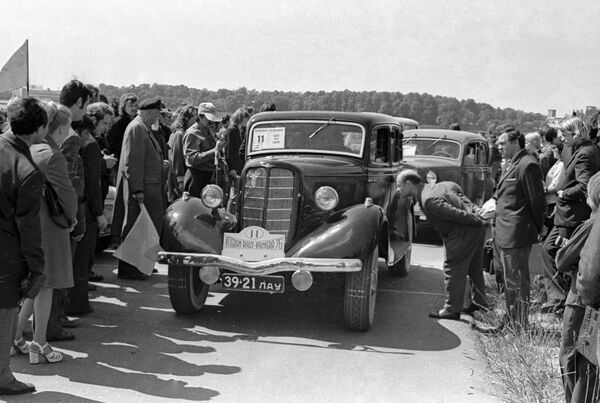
x,y
269,199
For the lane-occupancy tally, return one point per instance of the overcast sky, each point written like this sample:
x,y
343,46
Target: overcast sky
x,y
531,55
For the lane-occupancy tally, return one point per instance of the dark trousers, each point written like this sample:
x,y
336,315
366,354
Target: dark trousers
x,y
77,297
579,376
517,284
8,326
195,181
464,257
555,282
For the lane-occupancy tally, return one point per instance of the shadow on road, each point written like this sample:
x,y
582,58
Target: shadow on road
x,y
135,341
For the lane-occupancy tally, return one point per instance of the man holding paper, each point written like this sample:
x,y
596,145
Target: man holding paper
x,y
462,229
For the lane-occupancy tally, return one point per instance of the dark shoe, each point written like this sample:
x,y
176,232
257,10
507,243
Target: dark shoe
x,y
68,323
78,312
15,387
553,306
92,287
95,277
62,336
444,314
133,276
475,307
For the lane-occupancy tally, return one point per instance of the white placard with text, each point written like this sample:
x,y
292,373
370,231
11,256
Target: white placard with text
x,y
268,138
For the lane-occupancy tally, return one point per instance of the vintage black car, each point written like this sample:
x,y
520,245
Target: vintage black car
x,y
317,196
451,155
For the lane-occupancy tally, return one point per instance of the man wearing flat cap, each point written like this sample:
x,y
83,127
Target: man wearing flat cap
x,y
140,179
200,147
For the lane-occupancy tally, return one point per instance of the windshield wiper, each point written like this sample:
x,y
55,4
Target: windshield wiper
x,y
404,141
442,137
322,127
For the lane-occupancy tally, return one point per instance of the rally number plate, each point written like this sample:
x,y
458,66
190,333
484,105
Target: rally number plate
x,y
242,282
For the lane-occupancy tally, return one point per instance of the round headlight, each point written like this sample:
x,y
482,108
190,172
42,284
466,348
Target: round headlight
x,y
431,177
212,196
326,198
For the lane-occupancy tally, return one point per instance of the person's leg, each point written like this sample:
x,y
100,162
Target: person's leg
x,y
78,300
41,309
475,273
8,319
455,271
23,318
553,281
56,313
515,262
571,323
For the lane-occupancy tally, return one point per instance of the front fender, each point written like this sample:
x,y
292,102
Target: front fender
x,y
190,226
349,233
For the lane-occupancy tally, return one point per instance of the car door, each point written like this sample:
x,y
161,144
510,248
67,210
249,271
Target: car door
x,y
475,171
380,170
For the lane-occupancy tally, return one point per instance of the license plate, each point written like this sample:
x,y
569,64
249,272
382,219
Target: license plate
x,y
243,282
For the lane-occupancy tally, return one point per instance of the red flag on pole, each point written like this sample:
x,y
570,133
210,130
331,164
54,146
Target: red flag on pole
x,y
14,74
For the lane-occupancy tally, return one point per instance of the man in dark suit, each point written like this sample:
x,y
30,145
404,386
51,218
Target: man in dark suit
x,y
520,208
571,206
21,184
457,220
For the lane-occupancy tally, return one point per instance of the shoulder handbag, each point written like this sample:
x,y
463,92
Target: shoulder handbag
x,y
55,210
588,335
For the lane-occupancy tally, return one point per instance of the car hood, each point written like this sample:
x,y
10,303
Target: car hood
x,y
312,165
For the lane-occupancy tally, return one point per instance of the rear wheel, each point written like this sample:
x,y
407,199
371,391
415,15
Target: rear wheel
x,y
402,266
187,292
359,294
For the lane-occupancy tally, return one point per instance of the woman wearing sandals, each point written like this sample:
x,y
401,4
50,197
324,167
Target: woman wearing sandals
x,y
55,236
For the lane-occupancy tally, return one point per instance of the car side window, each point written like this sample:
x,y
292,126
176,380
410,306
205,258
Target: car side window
x,y
396,144
380,151
470,157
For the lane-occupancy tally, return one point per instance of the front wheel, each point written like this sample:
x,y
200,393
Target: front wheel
x,y
187,292
402,266
359,294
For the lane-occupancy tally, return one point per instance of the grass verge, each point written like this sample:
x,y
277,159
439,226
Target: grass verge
x,y
524,365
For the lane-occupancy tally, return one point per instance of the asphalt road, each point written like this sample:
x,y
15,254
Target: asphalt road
x,y
247,347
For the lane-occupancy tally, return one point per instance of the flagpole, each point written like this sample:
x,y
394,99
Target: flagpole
x,y
27,63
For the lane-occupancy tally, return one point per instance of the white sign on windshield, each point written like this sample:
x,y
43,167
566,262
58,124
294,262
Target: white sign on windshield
x,y
409,149
268,138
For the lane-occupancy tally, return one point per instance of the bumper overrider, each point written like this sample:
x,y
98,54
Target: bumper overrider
x,y
265,267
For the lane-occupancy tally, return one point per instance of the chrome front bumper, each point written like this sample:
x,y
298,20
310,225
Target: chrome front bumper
x,y
264,267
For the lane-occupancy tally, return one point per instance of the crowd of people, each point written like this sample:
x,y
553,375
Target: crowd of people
x,y
58,161
547,192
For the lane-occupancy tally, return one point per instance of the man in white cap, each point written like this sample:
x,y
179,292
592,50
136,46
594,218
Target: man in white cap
x,y
200,146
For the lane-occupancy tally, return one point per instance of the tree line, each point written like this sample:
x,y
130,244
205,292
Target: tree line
x,y
425,108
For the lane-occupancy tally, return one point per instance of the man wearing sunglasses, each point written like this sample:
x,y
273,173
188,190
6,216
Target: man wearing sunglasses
x,y
200,147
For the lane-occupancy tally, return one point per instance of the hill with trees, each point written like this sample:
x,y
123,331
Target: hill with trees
x,y
425,108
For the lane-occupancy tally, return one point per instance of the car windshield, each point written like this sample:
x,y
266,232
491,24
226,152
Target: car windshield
x,y
307,136
431,147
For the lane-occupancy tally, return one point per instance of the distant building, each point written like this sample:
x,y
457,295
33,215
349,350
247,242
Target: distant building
x,y
551,113
37,91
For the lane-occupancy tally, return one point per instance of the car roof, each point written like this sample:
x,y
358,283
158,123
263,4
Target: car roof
x,y
407,121
366,118
456,135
